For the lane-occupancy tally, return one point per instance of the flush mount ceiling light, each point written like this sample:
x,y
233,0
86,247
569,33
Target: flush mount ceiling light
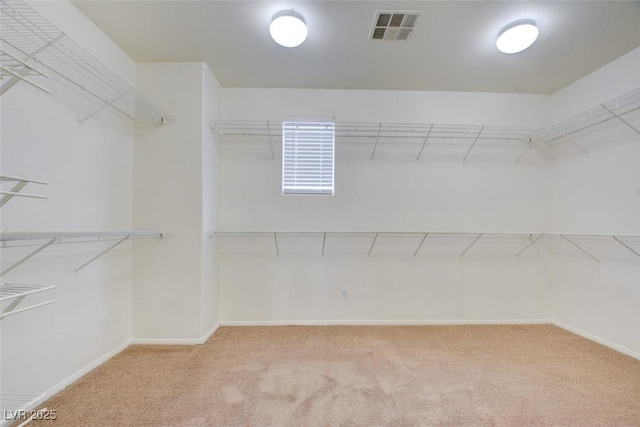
x,y
517,36
288,28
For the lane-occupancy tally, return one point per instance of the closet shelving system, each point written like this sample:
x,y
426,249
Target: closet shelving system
x,y
420,134
631,243
33,49
15,292
15,191
624,110
43,239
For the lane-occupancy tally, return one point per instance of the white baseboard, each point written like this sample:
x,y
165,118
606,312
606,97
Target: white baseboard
x,y
208,335
90,367
72,379
176,341
597,339
384,322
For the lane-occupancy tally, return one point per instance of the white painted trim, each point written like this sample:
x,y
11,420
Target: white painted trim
x,y
208,335
165,341
82,372
383,322
598,340
73,378
176,341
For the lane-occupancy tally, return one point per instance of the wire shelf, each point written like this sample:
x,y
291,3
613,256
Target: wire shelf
x,y
32,45
9,236
10,291
16,293
15,191
624,109
420,134
44,239
383,130
621,109
469,239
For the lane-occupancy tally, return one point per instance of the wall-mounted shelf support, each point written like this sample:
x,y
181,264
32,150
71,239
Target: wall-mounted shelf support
x,y
579,247
15,191
471,244
575,144
424,143
102,253
69,237
24,66
531,243
626,246
617,116
17,293
324,241
275,239
28,256
106,105
24,79
533,238
529,145
375,145
420,245
373,243
273,154
473,144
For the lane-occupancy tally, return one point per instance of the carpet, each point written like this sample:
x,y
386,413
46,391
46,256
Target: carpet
x,y
522,375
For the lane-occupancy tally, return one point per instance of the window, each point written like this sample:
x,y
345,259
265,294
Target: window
x,y
307,157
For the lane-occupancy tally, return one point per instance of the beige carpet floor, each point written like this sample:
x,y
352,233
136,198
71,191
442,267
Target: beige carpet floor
x,y
530,375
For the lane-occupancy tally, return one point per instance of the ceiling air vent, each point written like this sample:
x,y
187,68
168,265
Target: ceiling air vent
x,y
393,25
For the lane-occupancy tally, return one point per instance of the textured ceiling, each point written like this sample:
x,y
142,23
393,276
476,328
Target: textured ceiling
x,y
451,49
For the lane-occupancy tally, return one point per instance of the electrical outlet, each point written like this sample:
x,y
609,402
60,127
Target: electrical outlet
x,y
343,293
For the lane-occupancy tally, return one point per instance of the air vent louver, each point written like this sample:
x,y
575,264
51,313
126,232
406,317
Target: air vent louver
x,y
393,25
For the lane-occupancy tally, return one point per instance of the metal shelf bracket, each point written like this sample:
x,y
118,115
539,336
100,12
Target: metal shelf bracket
x,y
28,256
471,244
102,253
17,293
15,191
579,247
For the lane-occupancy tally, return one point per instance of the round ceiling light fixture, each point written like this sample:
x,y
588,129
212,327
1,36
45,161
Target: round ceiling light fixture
x,y
517,36
288,28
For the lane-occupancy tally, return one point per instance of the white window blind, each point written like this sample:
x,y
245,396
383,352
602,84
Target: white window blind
x,y
308,157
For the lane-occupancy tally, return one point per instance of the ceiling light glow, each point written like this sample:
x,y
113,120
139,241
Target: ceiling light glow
x,y
288,28
517,36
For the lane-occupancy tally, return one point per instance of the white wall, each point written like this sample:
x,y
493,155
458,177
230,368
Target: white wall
x,y
300,286
89,170
599,193
181,179
392,193
211,107
572,193
67,18
170,167
488,192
